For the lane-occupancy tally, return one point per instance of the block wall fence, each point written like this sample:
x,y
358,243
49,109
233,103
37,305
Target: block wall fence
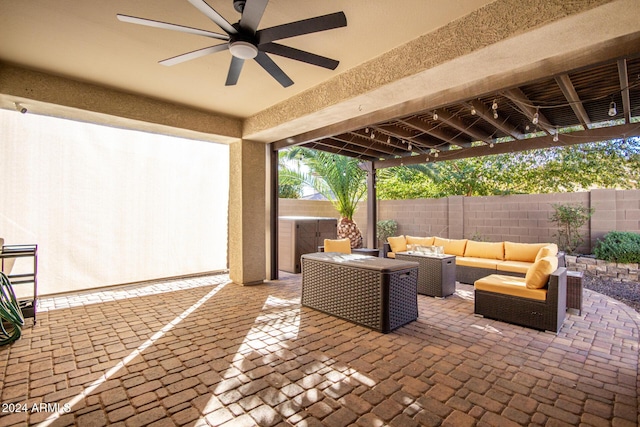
x,y
516,218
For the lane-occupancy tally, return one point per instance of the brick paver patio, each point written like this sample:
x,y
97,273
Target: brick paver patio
x,y
202,351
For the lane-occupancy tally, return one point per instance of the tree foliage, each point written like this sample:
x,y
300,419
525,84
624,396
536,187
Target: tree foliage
x,y
338,178
610,164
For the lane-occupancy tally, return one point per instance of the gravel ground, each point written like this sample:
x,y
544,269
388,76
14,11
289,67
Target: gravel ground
x,y
627,292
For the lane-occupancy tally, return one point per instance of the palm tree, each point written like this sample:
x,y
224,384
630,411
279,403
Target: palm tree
x,y
338,178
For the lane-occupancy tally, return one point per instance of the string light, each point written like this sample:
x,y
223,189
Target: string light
x,y
494,106
536,117
473,111
409,147
495,114
373,135
555,136
612,109
435,115
388,140
491,145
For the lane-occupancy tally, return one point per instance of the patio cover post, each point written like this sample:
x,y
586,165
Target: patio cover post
x,y
372,206
247,212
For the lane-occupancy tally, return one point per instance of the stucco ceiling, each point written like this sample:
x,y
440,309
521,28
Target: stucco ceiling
x,y
84,41
397,59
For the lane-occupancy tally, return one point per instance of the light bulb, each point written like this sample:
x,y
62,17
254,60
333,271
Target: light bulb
x,y
494,106
388,140
373,135
535,118
410,147
555,136
437,154
366,130
491,145
435,116
495,114
473,111
612,109
527,128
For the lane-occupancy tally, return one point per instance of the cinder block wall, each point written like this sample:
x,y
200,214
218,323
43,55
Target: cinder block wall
x,y
516,218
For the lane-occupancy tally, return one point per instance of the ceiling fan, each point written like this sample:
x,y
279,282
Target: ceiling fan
x,y
245,41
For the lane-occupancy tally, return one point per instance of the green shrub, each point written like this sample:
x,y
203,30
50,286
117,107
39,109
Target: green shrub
x,y
569,218
619,246
387,228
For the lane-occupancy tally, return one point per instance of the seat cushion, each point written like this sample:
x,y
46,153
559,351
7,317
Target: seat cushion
x,y
538,274
491,250
509,285
398,244
519,267
522,251
340,245
476,262
451,246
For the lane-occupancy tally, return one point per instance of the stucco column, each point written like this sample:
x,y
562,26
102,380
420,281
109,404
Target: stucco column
x,y
247,213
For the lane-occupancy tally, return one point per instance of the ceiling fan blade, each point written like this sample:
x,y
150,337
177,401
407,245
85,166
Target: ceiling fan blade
x,y
234,71
174,27
306,26
210,12
273,69
252,14
195,54
300,55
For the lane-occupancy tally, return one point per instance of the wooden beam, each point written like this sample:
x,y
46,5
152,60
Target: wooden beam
x,y
624,89
353,139
457,123
578,137
487,115
569,92
435,132
525,105
337,147
404,134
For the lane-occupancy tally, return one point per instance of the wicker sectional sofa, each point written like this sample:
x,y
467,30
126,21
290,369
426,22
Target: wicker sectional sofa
x,y
475,260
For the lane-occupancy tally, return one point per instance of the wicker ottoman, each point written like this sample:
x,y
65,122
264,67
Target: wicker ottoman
x,y
378,293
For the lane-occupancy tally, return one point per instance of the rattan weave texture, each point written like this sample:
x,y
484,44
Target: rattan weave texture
x,y
544,315
378,298
436,275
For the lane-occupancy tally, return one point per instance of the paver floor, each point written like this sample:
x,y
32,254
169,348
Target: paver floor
x,y
203,351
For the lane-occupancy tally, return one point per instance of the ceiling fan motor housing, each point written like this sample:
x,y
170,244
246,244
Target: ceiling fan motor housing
x,y
241,45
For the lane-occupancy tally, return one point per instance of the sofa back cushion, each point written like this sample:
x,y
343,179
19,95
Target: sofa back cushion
x,y
451,246
342,246
423,241
548,250
487,250
398,244
522,251
538,274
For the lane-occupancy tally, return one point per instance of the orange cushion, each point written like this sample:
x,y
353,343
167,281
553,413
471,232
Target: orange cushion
x,y
509,285
549,250
519,267
398,244
522,251
423,241
488,250
451,246
538,274
341,245
477,262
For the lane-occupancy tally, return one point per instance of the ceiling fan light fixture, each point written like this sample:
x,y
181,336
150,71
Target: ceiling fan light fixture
x,y
243,50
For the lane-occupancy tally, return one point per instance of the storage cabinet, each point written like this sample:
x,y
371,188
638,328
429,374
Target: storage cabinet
x,y
28,305
302,235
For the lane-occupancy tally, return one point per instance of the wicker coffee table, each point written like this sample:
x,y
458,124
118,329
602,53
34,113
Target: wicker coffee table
x,y
436,273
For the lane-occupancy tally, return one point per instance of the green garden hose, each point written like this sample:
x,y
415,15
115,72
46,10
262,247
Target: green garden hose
x,y
11,319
